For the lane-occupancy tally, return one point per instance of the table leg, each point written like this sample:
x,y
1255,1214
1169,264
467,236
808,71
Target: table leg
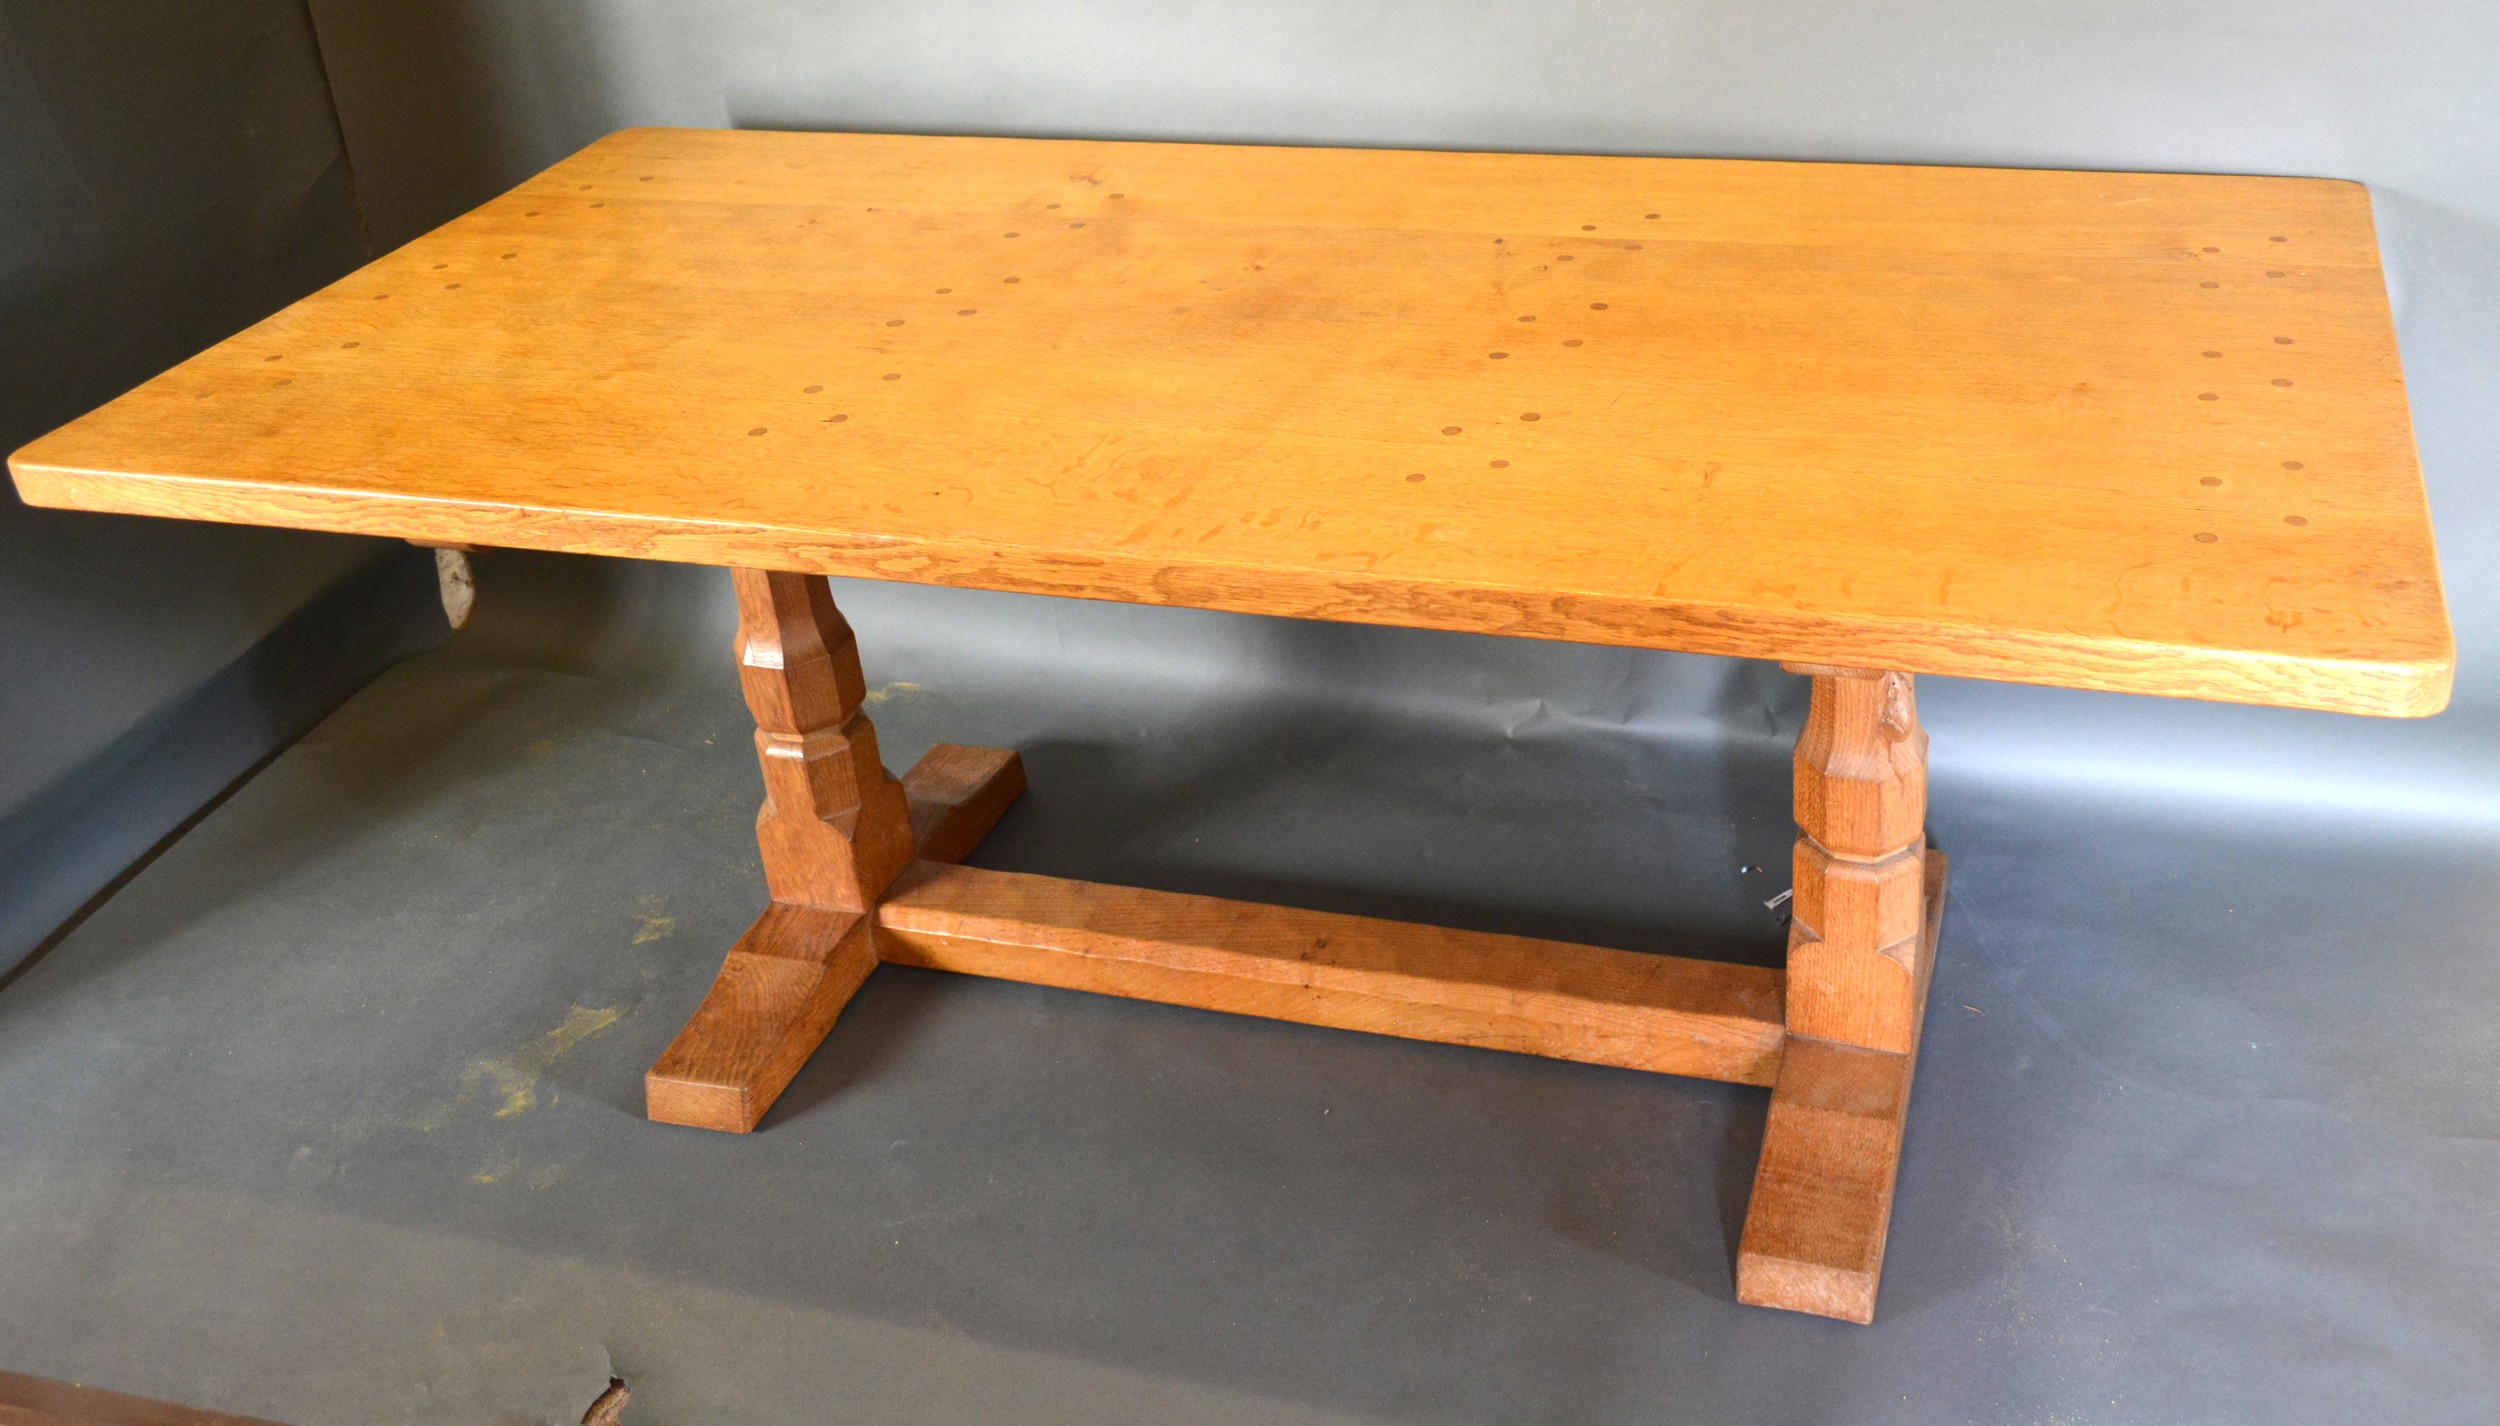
x,y
835,830
1836,1035
1861,947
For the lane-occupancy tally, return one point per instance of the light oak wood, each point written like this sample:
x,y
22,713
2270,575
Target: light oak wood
x,y
834,827
1854,948
1861,764
1835,1035
776,998
1831,1152
2142,432
1861,949
1549,998
957,794
834,830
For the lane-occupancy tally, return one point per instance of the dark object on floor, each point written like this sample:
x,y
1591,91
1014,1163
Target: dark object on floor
x,y
35,1401
609,1409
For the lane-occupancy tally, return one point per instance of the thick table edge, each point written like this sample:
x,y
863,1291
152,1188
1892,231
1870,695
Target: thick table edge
x,y
2399,688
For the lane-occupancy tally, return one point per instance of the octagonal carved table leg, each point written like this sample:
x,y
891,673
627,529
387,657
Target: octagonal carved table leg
x,y
1861,948
835,830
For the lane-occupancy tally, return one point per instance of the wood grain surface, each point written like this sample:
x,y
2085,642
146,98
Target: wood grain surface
x,y
1550,998
957,794
1855,968
835,829
2143,432
1821,1212
776,998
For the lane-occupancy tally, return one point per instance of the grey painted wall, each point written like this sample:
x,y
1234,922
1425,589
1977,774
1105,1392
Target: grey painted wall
x,y
170,171
446,101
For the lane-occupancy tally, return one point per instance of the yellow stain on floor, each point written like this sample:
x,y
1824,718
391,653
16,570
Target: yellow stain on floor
x,y
892,690
518,1088
653,925
515,1079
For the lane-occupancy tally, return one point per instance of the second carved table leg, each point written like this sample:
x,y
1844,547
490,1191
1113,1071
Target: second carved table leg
x,y
1861,947
1853,943
836,829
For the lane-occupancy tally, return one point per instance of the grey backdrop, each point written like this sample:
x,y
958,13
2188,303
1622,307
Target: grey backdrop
x,y
170,171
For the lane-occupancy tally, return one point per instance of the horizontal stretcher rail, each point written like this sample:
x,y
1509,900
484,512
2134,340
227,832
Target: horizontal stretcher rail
x,y
1649,1012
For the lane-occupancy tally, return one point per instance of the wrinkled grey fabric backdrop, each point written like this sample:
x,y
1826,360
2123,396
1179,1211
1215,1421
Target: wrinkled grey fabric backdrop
x,y
169,173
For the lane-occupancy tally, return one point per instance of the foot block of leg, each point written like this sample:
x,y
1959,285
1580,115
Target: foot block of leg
x,y
1831,1150
957,794
776,997
1822,1198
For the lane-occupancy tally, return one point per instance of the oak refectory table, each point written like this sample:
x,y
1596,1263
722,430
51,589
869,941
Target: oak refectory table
x,y
2141,432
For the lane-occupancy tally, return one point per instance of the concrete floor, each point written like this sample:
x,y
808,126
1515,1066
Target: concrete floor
x,y
331,1115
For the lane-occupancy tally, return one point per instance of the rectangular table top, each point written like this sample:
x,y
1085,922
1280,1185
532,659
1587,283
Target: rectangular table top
x,y
2125,431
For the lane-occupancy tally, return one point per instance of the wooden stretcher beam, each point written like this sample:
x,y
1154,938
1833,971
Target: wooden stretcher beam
x,y
1550,998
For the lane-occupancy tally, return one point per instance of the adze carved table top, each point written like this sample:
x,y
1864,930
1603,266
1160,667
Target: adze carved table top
x,y
2143,432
